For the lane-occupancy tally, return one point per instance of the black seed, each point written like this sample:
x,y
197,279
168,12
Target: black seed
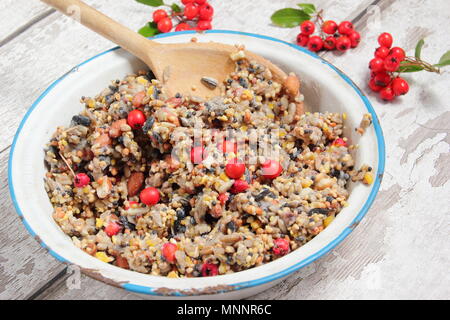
x,y
181,214
262,194
318,210
126,223
231,226
81,120
148,125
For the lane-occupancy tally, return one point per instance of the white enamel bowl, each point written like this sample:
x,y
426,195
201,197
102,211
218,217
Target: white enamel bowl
x,y
325,89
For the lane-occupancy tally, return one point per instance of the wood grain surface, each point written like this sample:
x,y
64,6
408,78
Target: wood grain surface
x,y
400,250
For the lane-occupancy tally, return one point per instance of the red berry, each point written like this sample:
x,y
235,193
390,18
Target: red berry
x,y
234,169
382,79
183,27
400,86
165,25
190,11
355,38
209,270
239,186
158,15
81,180
185,2
204,25
136,119
223,198
228,146
315,43
131,204
149,196
339,142
343,43
206,12
281,247
168,251
387,94
302,39
307,27
199,2
373,86
381,52
329,27
376,64
398,52
385,39
330,43
391,63
113,228
345,27
271,169
198,154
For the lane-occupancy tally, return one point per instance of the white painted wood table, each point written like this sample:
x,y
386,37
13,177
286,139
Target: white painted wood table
x,y
401,250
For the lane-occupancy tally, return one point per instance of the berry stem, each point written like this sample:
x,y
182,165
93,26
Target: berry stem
x,y
413,61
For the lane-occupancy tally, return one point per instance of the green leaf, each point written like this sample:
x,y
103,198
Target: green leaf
x,y
444,61
175,7
308,8
153,3
149,30
419,48
289,18
404,68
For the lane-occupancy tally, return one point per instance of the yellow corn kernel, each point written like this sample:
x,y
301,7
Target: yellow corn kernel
x,y
244,128
255,224
86,190
150,243
99,223
270,116
222,268
224,177
101,255
328,220
306,183
150,90
270,105
172,274
344,116
91,103
142,80
368,178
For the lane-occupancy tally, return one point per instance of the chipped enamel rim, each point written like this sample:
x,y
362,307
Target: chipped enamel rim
x,y
210,286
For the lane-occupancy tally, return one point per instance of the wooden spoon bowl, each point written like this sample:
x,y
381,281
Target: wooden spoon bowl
x,y
180,67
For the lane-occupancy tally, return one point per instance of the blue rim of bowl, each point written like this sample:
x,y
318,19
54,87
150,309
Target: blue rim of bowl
x,y
246,284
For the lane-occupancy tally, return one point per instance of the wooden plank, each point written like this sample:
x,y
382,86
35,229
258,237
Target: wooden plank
x,y
18,15
24,264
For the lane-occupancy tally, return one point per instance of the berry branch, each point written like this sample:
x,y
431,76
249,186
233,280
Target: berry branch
x,y
389,63
330,35
196,15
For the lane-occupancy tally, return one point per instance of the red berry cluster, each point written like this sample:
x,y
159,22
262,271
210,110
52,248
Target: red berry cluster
x,y
331,36
196,15
383,66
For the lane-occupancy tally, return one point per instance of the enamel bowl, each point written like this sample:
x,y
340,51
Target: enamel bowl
x,y
325,89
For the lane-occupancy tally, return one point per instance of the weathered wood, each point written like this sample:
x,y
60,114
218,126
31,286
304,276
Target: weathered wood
x,y
24,264
398,251
17,15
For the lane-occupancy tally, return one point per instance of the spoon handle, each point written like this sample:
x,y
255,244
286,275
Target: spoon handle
x,y
105,26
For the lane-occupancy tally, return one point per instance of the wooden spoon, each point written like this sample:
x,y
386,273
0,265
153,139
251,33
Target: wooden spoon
x,y
180,67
